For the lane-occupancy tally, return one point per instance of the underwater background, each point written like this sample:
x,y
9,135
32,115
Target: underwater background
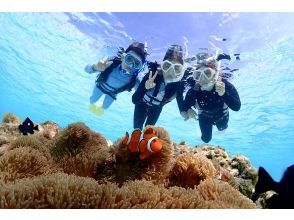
x,y
43,55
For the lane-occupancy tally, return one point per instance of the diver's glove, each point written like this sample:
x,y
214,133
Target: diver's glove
x,y
189,114
149,84
220,87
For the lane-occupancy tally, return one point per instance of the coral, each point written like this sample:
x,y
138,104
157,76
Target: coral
x,y
245,174
128,166
23,162
78,150
10,118
221,195
189,169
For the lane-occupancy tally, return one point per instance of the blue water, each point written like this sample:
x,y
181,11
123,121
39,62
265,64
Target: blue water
x,y
42,56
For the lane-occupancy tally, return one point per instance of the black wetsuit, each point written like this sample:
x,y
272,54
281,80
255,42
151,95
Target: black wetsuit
x,y
149,103
213,109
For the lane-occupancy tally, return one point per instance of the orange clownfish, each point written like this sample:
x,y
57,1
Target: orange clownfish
x,y
132,141
146,143
222,176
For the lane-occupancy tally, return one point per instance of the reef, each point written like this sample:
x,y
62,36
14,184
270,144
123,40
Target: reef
x,y
75,167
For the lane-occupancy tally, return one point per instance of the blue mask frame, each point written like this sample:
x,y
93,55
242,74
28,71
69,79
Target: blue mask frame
x,y
133,61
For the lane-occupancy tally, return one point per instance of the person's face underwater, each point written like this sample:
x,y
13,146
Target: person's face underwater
x,y
205,77
131,62
172,70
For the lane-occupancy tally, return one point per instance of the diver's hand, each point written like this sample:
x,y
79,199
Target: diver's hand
x,y
149,84
220,87
102,65
189,114
184,115
192,114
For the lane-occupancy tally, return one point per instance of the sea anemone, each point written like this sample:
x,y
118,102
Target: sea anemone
x,y
31,142
60,190
71,140
189,169
69,191
10,118
78,150
219,194
23,162
126,166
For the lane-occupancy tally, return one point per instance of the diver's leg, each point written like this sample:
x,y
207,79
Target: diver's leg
x,y
222,122
108,100
140,114
96,94
153,115
205,125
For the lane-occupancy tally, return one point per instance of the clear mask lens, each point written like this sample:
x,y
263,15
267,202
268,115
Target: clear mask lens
x,y
208,74
178,69
197,75
166,65
204,74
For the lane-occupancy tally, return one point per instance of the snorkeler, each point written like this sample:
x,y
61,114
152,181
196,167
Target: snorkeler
x,y
212,96
116,75
158,88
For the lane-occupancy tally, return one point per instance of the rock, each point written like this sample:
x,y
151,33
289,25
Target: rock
x,y
263,199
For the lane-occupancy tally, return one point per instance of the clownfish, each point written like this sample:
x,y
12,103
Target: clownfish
x,y
146,143
222,176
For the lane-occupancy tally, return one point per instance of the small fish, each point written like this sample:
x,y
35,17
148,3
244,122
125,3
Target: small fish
x,y
220,175
27,127
284,189
145,143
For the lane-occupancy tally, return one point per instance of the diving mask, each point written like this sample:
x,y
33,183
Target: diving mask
x,y
172,72
132,61
204,77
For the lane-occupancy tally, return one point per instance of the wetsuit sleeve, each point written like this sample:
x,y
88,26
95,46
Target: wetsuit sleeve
x,y
180,96
90,69
190,99
231,97
141,90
